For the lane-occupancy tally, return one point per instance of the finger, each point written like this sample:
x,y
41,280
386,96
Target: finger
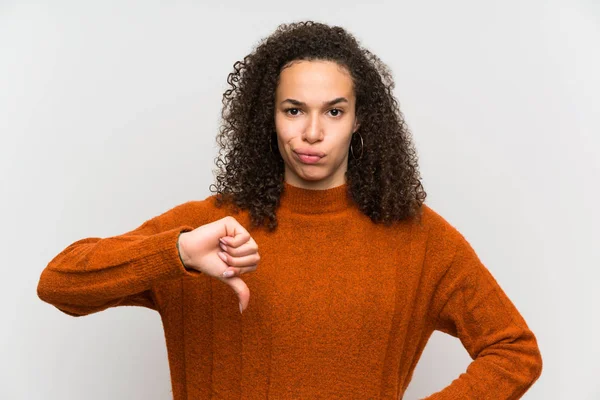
x,y
241,290
246,249
235,233
235,241
239,261
233,271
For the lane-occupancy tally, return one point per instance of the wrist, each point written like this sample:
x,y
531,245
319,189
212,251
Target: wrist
x,y
181,250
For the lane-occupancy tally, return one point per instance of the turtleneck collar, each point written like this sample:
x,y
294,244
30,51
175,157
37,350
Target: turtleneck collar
x,y
314,201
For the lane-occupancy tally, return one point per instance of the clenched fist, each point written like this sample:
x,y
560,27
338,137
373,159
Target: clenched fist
x,y
222,249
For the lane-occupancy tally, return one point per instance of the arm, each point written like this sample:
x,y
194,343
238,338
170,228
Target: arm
x,y
93,274
475,309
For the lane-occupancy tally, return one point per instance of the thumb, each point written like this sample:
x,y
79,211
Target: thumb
x,y
241,290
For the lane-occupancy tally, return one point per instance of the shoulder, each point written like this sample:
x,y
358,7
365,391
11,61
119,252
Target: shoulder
x,y
191,213
436,225
200,212
439,236
193,208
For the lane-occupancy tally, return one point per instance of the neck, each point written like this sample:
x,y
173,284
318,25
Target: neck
x,y
315,201
332,181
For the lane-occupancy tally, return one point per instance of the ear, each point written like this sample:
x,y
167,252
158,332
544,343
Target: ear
x,y
356,125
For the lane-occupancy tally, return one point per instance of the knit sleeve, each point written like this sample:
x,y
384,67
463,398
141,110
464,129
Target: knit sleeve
x,y
93,274
473,307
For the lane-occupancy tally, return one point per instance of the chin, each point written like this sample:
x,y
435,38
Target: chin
x,y
311,177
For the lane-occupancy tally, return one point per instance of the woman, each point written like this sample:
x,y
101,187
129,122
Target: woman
x,y
317,170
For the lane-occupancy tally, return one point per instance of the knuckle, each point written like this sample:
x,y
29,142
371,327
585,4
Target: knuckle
x,y
249,268
242,290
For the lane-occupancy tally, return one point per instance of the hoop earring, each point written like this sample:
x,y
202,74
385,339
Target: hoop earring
x,y
362,146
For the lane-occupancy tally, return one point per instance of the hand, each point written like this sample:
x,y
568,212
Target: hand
x,y
224,250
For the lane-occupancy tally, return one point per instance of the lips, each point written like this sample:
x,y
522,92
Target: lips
x,y
307,152
308,156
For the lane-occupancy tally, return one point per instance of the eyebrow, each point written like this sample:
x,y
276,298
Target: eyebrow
x,y
326,103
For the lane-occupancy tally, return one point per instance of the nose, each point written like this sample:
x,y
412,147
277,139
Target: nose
x,y
313,132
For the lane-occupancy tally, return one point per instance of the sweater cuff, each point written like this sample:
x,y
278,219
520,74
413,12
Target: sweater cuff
x,y
163,262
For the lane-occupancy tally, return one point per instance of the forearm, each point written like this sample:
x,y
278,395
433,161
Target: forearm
x,y
473,307
504,370
93,274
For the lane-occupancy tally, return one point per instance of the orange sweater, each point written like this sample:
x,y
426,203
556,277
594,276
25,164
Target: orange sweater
x,y
339,307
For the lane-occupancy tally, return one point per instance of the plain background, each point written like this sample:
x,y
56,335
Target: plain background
x,y
108,113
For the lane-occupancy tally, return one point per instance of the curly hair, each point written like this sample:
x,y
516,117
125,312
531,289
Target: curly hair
x,y
384,181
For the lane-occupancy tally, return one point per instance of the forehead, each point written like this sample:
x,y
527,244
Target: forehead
x,y
315,79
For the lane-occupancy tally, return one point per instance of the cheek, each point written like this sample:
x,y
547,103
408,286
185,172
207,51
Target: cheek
x,y
342,134
343,146
285,130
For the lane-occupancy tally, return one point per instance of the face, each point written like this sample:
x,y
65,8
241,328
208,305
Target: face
x,y
314,119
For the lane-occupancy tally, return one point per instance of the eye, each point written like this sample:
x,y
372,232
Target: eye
x,y
336,112
292,111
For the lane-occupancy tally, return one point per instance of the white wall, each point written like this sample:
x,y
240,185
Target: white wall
x,y
108,112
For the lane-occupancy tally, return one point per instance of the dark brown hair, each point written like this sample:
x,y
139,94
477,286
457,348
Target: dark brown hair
x,y
384,182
